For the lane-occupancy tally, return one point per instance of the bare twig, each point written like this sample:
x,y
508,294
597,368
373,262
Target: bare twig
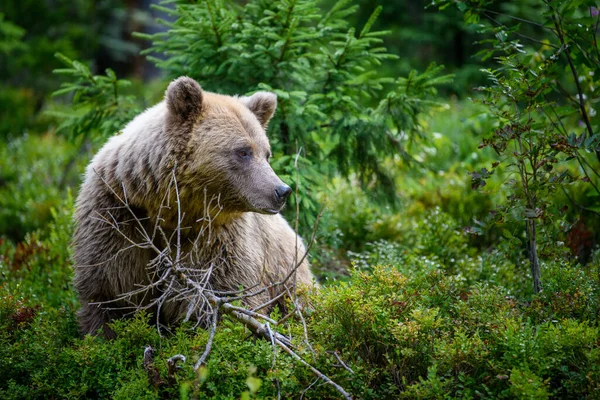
x,y
577,204
148,364
172,366
178,275
272,336
309,387
211,336
315,371
342,363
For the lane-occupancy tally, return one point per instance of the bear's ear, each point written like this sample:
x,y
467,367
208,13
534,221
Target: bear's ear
x,y
184,99
262,104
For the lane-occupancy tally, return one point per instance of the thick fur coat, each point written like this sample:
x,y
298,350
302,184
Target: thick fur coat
x,y
213,149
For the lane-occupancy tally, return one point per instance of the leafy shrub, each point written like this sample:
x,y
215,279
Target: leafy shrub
x,y
572,291
39,268
99,109
358,219
425,338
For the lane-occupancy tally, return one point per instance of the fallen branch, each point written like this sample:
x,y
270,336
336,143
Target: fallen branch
x,y
172,366
178,277
342,363
148,363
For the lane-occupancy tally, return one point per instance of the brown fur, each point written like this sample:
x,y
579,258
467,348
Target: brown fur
x,y
218,149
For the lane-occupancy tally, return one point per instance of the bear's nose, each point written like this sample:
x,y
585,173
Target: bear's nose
x,y
282,193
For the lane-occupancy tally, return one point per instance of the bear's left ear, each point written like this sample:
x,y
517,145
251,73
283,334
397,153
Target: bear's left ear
x,y
262,104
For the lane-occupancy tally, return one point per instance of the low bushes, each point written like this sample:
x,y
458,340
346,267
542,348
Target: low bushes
x,y
410,322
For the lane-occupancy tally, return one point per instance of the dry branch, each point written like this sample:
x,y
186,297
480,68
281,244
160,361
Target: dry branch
x,y
172,366
177,276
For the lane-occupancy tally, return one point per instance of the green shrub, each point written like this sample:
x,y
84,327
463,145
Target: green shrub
x,y
423,337
434,241
571,291
526,385
405,330
39,268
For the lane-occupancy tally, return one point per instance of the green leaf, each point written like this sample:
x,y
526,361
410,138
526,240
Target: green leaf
x,y
253,384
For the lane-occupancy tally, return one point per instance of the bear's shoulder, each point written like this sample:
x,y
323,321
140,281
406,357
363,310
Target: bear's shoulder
x,y
149,121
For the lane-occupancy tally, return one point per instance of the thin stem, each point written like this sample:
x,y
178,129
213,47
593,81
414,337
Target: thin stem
x,y
579,160
520,34
533,258
572,201
211,336
580,101
520,19
315,371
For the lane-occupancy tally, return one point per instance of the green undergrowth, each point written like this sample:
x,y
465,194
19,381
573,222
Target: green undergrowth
x,y
409,323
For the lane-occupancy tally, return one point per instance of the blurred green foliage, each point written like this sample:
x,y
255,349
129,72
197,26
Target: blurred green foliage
x,y
32,32
31,168
422,34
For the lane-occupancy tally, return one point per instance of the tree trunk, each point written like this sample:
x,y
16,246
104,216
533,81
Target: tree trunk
x,y
285,137
533,257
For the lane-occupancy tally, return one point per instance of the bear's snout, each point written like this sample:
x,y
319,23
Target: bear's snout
x,y
282,192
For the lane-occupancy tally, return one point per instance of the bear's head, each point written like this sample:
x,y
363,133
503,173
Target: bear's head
x,y
224,150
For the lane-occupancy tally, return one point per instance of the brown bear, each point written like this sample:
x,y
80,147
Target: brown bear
x,y
190,175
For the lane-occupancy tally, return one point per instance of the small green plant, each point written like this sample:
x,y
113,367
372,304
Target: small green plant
x,y
540,94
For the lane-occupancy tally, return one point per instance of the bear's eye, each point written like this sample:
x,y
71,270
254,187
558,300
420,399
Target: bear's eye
x,y
245,154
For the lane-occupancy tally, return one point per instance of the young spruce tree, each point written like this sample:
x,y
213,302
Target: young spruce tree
x,y
337,114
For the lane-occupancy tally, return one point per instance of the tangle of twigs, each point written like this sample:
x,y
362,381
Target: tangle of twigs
x,y
176,276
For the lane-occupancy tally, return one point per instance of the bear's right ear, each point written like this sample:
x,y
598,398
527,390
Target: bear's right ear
x,y
184,99
262,105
